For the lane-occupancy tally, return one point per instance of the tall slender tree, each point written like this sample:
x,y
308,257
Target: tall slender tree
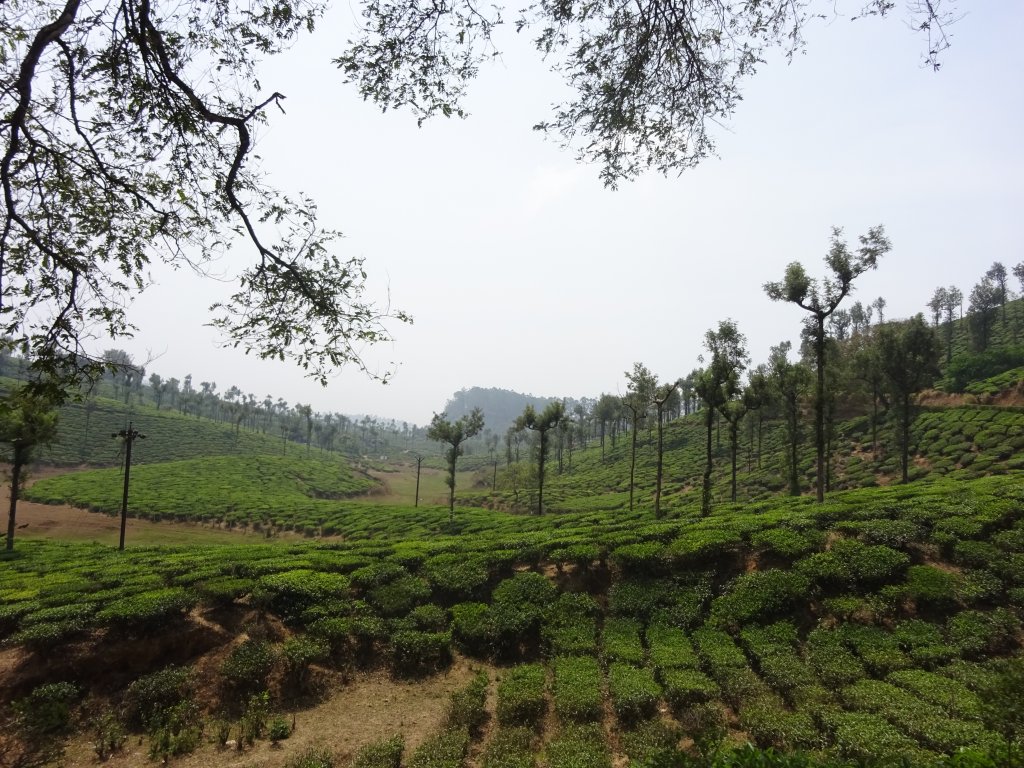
x,y
791,382
909,358
716,384
662,397
636,401
454,434
542,423
821,299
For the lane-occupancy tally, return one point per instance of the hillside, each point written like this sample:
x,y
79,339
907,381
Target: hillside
x,y
868,628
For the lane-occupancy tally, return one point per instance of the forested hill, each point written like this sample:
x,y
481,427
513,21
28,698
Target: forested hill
x,y
501,407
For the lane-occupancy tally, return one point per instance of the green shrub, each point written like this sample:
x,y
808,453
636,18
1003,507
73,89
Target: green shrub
x,y
178,732
634,692
932,588
384,753
510,748
834,664
444,750
953,696
868,737
149,610
467,707
718,650
279,729
878,649
47,709
641,558
622,641
669,648
298,653
247,666
650,740
415,653
290,593
457,577
429,618
978,633
322,757
637,598
577,689
771,725
783,541
759,595
398,597
521,696
684,687
473,629
578,746
147,698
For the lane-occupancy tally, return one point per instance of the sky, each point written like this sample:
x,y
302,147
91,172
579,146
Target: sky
x,y
523,271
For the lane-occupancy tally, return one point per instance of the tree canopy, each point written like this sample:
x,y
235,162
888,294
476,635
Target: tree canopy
x,y
646,80
127,140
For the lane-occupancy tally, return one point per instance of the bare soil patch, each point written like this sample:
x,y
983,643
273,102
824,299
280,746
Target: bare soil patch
x,y
368,707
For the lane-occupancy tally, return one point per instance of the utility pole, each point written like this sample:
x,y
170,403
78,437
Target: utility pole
x,y
419,460
129,436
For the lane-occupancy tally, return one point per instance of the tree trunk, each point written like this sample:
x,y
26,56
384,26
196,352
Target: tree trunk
x,y
905,428
19,460
819,406
540,470
705,500
657,485
632,466
734,439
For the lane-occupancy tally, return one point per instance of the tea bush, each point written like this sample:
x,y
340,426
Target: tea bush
x,y
510,748
247,666
634,692
147,698
384,753
684,687
578,694
521,696
416,653
622,641
467,707
444,750
578,746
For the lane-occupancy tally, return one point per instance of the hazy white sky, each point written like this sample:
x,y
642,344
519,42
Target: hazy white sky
x,y
522,271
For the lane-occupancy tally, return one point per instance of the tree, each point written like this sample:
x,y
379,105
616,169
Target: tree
x,y
127,140
541,423
952,299
606,412
662,396
982,312
454,434
997,274
937,302
790,382
26,422
821,300
717,384
645,79
910,360
638,397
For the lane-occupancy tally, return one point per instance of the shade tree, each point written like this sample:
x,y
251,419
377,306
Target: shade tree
x,y
821,298
542,423
716,385
909,357
454,434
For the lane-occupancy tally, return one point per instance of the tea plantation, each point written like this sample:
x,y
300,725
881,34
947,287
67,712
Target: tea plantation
x,y
882,627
